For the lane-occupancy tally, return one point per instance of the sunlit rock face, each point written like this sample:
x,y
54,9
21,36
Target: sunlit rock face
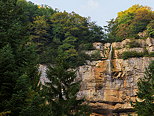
x,y
109,85
144,45
111,94
116,93
98,46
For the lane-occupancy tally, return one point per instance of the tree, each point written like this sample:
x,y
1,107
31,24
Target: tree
x,y
36,18
39,33
72,34
18,60
32,10
61,91
145,105
37,106
130,22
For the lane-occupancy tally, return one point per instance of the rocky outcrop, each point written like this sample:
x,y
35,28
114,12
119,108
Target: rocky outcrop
x,y
109,85
150,44
43,76
110,94
142,46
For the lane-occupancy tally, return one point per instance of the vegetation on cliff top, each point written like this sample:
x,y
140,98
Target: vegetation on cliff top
x,y
129,23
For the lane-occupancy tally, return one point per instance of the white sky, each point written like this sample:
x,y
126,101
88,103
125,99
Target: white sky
x,y
100,11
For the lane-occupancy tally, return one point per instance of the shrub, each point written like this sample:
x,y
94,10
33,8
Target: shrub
x,y
133,44
151,54
131,54
96,56
87,46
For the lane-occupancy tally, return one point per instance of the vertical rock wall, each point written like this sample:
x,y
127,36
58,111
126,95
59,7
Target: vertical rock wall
x,y
112,96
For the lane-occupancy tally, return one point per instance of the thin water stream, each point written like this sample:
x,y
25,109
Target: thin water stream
x,y
109,64
109,60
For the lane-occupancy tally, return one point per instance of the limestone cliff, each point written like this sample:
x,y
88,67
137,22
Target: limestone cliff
x,y
111,84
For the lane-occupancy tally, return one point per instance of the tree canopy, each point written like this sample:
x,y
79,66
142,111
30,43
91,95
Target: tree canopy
x,y
130,22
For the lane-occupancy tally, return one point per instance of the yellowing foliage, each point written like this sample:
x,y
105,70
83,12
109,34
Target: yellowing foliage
x,y
133,20
135,9
5,113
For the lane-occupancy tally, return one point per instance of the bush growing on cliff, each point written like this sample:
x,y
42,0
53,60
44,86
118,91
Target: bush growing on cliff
x,y
133,44
150,29
145,106
131,54
151,54
95,56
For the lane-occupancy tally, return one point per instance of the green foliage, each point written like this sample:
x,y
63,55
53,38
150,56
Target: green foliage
x,y
7,62
68,33
150,29
61,91
145,106
18,60
36,19
127,54
111,32
71,34
39,34
38,107
131,54
30,10
151,54
133,44
95,56
87,46
21,96
81,58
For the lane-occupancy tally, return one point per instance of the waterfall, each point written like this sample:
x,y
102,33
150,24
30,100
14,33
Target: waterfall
x,y
109,63
110,112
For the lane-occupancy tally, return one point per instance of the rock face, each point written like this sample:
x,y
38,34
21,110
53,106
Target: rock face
x,y
43,76
114,94
110,84
142,45
111,93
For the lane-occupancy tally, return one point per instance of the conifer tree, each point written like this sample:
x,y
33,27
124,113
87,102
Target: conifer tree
x,y
18,60
145,105
61,91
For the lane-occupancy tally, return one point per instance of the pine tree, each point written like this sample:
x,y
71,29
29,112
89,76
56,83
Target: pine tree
x,y
145,105
61,91
7,61
37,106
18,60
